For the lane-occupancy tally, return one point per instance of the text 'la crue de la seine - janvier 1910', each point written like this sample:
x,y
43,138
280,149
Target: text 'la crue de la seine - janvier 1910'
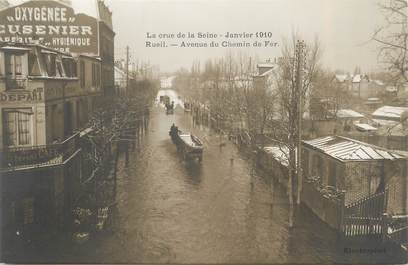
x,y
260,39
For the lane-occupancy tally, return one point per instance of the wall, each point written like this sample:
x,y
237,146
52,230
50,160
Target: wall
x,y
326,209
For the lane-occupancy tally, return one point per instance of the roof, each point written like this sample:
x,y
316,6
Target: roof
x,y
265,65
4,4
13,48
270,71
385,123
391,89
365,127
341,78
348,113
346,149
389,112
356,79
379,82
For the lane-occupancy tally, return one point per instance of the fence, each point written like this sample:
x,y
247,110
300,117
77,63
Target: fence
x,y
357,226
371,206
364,218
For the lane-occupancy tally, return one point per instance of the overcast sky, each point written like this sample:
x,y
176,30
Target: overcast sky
x,y
343,27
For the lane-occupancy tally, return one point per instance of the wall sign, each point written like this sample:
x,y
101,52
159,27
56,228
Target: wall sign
x,y
53,24
23,95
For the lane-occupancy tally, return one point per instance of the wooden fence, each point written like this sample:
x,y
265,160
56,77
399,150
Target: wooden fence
x,y
357,226
364,218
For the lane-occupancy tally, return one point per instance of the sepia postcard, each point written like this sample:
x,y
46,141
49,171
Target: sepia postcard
x,y
203,132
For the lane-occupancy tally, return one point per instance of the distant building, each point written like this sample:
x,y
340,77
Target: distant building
x,y
360,86
388,113
263,79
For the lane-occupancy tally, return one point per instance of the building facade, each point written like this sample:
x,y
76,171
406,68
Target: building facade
x,y
45,98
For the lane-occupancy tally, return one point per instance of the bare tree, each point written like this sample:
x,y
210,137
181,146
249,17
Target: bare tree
x,y
294,77
393,39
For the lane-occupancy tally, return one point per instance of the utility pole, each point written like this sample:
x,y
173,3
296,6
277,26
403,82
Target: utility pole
x,y
300,62
127,70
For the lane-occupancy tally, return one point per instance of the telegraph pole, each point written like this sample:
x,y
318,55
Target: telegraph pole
x,y
300,62
127,69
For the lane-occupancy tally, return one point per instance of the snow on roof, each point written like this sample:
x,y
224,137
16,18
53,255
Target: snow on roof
x,y
348,113
385,123
373,99
365,127
391,89
341,78
379,82
280,154
265,65
347,149
356,79
389,112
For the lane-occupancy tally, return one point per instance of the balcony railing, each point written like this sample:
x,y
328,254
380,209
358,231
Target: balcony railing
x,y
16,83
38,156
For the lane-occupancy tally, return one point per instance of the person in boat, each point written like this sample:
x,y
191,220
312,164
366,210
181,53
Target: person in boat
x,y
173,130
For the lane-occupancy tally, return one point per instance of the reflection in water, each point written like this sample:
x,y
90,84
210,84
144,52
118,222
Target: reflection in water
x,y
194,170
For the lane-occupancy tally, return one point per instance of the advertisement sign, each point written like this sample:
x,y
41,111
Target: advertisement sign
x,y
52,24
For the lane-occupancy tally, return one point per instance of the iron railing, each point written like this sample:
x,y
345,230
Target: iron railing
x,y
37,156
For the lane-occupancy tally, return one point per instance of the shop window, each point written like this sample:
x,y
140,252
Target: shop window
x,y
17,127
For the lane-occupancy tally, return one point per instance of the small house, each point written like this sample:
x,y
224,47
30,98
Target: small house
x,y
357,168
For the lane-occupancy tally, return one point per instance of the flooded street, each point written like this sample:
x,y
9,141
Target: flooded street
x,y
214,212
220,211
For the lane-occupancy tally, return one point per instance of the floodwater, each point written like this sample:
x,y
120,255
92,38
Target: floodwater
x,y
219,211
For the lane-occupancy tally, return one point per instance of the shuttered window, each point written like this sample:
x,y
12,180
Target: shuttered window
x,y
18,127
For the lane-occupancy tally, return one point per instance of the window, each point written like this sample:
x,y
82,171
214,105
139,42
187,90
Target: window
x,y
95,75
82,70
14,65
59,67
17,129
50,64
33,66
70,67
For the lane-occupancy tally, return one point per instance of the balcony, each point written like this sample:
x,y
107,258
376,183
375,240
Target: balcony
x,y
20,158
16,83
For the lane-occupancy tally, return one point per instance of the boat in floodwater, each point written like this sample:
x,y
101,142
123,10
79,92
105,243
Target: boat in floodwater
x,y
189,145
